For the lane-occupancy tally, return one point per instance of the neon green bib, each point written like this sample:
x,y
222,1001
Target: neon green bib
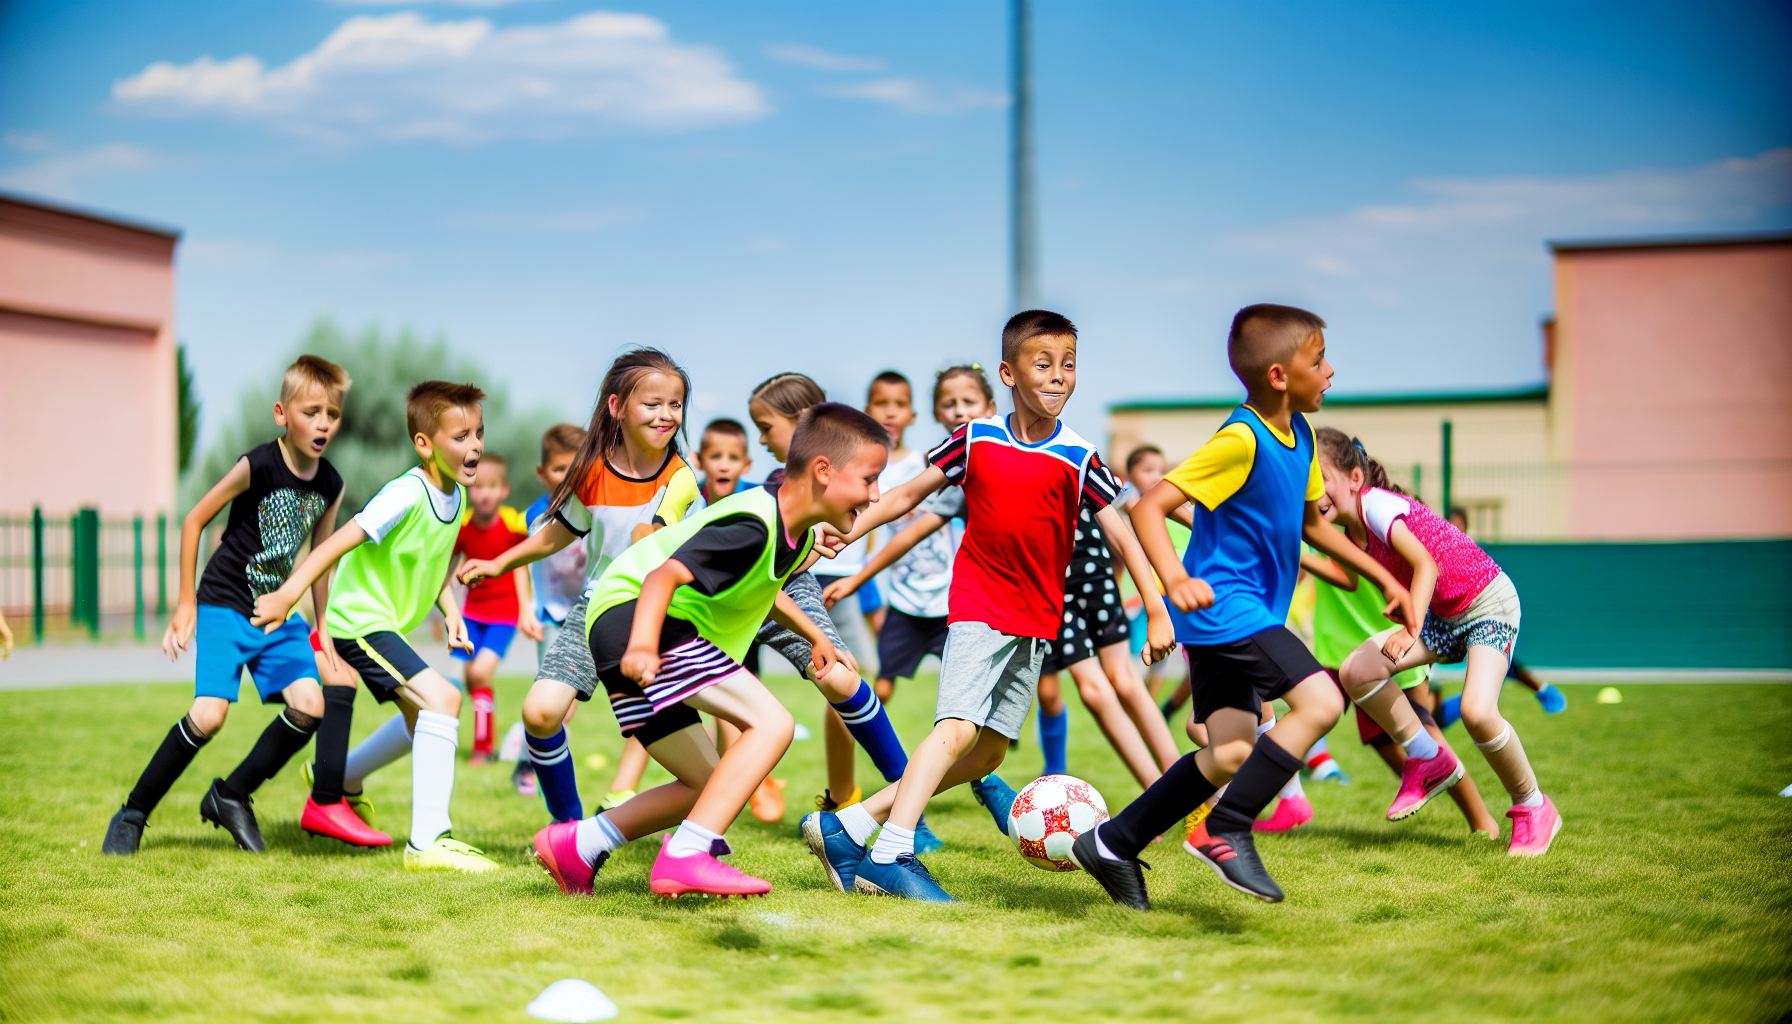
x,y
392,585
730,619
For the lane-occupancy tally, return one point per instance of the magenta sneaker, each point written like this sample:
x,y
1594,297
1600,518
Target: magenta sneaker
x,y
1422,780
1291,813
702,874
1533,828
557,851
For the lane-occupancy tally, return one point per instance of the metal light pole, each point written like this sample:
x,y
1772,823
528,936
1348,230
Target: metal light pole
x,y
1024,252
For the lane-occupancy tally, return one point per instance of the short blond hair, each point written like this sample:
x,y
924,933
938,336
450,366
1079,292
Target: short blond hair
x,y
314,371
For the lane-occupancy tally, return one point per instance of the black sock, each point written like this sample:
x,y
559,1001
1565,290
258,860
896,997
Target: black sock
x,y
332,744
1170,799
171,758
285,736
1259,779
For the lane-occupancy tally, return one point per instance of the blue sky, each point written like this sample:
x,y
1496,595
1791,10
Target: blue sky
x,y
821,186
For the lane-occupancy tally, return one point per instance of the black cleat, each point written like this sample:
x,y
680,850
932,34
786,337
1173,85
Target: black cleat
x,y
1122,879
124,833
232,815
1233,856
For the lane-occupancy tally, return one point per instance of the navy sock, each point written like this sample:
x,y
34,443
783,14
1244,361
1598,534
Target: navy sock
x,y
552,759
171,758
1168,800
869,724
332,744
1259,779
1054,736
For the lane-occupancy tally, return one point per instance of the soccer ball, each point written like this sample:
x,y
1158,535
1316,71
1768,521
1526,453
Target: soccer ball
x,y
1049,814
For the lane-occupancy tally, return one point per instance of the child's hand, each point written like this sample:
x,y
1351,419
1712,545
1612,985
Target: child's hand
x,y
1160,639
475,569
1397,644
1191,594
839,590
327,651
829,541
180,630
272,609
824,657
457,635
641,664
1400,609
530,626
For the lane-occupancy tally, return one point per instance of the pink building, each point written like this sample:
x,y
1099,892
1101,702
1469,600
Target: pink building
x,y
88,405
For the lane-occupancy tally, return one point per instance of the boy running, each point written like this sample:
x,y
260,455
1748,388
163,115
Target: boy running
x,y
281,495
395,557
495,607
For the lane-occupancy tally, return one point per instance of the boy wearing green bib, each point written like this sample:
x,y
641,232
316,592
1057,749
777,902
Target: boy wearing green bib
x,y
394,557
669,622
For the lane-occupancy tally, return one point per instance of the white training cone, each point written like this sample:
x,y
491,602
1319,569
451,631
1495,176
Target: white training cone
x,y
572,1001
801,733
1787,791
512,747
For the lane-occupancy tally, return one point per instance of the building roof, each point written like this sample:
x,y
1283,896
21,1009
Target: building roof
x,y
1685,242
1537,393
110,220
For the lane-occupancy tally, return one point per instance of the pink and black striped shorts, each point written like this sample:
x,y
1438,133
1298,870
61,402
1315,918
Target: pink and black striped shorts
x,y
685,669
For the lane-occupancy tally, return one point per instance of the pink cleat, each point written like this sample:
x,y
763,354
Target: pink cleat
x,y
557,851
1423,779
1533,828
1291,813
702,874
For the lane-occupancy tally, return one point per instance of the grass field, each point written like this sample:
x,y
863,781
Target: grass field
x,y
1668,896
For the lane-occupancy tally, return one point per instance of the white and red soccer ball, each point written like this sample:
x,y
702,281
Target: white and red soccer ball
x,y
1049,814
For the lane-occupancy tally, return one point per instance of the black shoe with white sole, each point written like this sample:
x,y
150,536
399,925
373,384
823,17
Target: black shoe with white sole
x,y
1122,879
232,815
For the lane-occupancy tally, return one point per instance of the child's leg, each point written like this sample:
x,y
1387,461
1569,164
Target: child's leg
x,y
1367,677
838,744
201,722
1491,732
480,672
545,710
885,687
766,729
432,704
1101,700
387,744
331,752
1186,786
1054,724
630,767
1135,700
285,736
1178,697
1313,708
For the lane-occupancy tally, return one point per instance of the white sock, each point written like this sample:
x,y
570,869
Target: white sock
x,y
387,744
690,839
893,842
858,823
1101,847
1263,727
1421,745
596,835
432,776
1292,789
1534,800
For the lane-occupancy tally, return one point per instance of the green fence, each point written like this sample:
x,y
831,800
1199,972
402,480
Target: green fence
x,y
1704,605
84,570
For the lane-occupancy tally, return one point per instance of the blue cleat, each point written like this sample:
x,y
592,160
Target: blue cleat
x,y
1449,712
828,840
925,841
1552,699
997,797
905,877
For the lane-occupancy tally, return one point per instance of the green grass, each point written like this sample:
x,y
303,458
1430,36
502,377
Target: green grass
x,y
1666,897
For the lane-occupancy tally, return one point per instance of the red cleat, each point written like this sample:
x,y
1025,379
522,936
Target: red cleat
x,y
338,821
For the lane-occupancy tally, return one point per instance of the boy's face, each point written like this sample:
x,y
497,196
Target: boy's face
x,y
850,488
456,445
723,458
1309,375
1043,375
893,407
551,472
491,485
311,419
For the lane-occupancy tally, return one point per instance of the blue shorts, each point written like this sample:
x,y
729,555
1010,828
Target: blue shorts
x,y
870,598
228,644
487,636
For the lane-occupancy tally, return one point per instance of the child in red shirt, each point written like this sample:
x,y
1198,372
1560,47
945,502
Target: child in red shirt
x,y
497,608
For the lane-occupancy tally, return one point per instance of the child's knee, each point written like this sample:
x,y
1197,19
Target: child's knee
x,y
542,713
956,733
208,713
776,723
305,696
1483,723
1323,703
840,683
1231,755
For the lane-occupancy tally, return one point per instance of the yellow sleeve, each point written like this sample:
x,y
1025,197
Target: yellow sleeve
x,y
513,520
1219,468
1315,483
681,492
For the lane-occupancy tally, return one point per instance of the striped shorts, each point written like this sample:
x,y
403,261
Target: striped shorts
x,y
685,670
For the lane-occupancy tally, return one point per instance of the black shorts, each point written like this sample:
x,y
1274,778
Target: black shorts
x,y
383,659
1244,674
1093,619
905,640
609,640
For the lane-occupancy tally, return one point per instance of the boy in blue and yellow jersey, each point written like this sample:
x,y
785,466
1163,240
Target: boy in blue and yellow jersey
x,y
1255,488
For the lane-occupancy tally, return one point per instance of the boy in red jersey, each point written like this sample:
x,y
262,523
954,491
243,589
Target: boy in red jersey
x,y
496,609
1028,480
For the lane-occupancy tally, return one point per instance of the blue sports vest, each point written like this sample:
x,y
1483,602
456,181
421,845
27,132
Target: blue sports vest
x,y
1248,549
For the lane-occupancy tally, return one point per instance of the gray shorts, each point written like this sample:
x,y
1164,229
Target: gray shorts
x,y
802,589
568,657
988,678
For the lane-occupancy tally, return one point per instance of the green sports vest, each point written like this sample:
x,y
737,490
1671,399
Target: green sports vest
x,y
392,585
730,619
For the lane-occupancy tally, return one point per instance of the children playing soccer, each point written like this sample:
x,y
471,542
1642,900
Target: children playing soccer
x,y
1473,616
669,621
498,608
281,495
1025,478
1255,488
395,555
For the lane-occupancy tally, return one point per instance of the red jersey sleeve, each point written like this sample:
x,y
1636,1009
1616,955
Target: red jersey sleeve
x,y
949,455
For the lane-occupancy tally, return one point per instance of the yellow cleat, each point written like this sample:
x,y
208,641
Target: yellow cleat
x,y
826,801
447,854
616,798
357,802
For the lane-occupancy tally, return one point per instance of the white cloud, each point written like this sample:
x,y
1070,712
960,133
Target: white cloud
x,y
913,95
56,175
554,221
403,76
30,142
822,60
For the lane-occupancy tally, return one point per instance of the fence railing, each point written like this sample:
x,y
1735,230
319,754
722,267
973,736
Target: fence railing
x,y
62,571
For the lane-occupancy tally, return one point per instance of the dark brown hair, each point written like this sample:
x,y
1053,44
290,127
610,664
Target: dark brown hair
x,y
630,370
892,378
425,404
310,370
835,430
972,370
788,394
1266,334
560,439
1140,452
1347,453
725,427
1034,323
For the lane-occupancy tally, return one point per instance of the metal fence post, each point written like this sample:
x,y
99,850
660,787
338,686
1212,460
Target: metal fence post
x,y
76,605
89,545
37,573
161,564
1449,469
1418,481
137,575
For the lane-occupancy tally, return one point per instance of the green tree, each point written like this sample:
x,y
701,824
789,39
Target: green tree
x,y
187,400
372,446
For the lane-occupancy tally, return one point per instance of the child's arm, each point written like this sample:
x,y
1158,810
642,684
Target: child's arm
x,y
1424,582
786,613
914,533
1326,538
526,622
898,502
1160,636
186,608
1329,571
320,591
641,661
543,542
271,609
1185,592
451,617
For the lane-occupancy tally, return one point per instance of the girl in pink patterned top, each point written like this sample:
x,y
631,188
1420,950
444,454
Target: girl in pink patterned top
x,y
1472,615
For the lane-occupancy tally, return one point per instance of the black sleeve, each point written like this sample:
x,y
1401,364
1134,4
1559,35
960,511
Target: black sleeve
x,y
722,552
